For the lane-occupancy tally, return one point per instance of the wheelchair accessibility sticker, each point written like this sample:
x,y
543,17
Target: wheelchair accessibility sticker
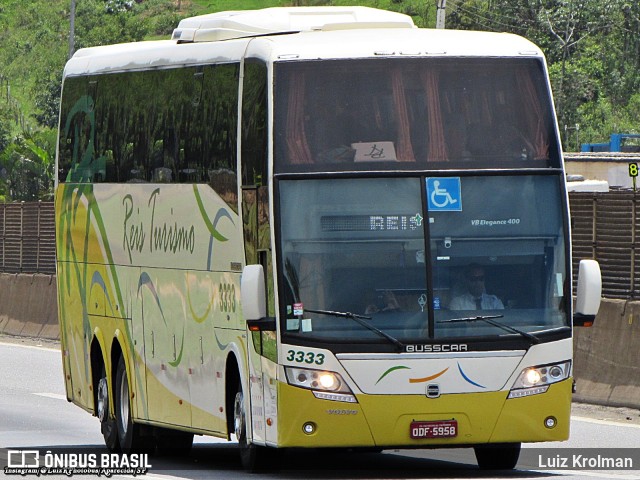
x,y
443,194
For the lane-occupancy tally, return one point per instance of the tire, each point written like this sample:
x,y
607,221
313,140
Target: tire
x,y
173,443
254,458
500,456
129,435
107,422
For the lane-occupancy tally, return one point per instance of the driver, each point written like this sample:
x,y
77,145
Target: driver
x,y
475,298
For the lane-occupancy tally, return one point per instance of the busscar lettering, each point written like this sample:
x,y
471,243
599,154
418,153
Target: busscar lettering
x,y
165,237
437,348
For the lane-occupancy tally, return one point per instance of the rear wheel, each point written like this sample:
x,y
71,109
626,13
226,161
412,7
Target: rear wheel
x,y
107,422
501,456
129,434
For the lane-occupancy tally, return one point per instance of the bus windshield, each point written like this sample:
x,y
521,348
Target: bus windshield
x,y
422,259
337,115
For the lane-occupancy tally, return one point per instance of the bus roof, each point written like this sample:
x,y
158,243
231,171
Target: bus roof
x,y
278,20
297,33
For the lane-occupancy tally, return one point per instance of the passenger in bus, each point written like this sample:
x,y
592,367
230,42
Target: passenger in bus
x,y
389,304
475,298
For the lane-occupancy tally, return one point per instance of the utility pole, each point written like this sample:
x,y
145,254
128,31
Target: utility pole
x,y
441,6
72,29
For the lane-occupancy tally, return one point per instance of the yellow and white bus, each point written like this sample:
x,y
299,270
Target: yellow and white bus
x,y
267,228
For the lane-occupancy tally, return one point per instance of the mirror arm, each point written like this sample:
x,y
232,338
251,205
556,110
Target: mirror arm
x,y
266,324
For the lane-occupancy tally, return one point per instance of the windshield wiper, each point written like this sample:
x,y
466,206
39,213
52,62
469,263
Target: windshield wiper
x,y
360,319
489,319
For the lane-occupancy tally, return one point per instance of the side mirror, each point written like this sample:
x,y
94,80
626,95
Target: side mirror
x,y
254,300
252,293
589,293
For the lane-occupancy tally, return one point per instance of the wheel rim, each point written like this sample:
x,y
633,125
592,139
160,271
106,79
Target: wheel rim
x,y
238,417
103,399
124,403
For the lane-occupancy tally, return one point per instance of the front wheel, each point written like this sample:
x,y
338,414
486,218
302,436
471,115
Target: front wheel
x,y
254,458
129,435
500,456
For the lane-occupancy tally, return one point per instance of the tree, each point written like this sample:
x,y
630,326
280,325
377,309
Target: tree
x,y
592,49
26,168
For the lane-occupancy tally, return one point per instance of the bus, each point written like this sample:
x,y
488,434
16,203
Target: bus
x,y
267,226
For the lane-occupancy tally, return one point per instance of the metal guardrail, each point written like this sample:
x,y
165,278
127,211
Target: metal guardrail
x,y
27,238
605,227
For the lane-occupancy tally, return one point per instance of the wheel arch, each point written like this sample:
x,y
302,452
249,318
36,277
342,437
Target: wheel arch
x,y
97,361
233,380
116,353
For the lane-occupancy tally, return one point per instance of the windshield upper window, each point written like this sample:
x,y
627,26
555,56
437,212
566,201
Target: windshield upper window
x,y
412,114
358,246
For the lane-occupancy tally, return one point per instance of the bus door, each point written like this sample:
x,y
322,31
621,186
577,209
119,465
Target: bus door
x,y
262,385
262,351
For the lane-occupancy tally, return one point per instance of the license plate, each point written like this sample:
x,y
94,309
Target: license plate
x,y
438,429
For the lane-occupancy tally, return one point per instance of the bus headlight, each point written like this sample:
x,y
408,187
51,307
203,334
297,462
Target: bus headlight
x,y
324,384
535,380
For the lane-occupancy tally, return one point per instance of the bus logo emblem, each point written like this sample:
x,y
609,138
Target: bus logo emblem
x,y
433,390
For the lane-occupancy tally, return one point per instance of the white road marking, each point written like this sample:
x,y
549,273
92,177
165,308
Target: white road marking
x,y
604,422
36,347
57,396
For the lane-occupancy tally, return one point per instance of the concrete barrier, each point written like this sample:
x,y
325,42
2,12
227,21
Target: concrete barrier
x,y
606,356
28,305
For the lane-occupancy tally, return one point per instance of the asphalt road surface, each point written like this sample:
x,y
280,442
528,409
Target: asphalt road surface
x,y
34,415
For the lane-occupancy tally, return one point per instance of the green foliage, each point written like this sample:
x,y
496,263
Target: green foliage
x,y
592,48
593,51
26,168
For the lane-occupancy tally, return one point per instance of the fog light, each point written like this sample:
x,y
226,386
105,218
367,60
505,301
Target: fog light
x,y
550,422
309,428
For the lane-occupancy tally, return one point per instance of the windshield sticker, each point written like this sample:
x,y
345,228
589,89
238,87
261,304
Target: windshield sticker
x,y
306,325
444,194
559,285
436,303
298,309
374,151
293,324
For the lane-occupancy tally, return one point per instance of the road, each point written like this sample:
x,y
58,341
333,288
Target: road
x,y
34,414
